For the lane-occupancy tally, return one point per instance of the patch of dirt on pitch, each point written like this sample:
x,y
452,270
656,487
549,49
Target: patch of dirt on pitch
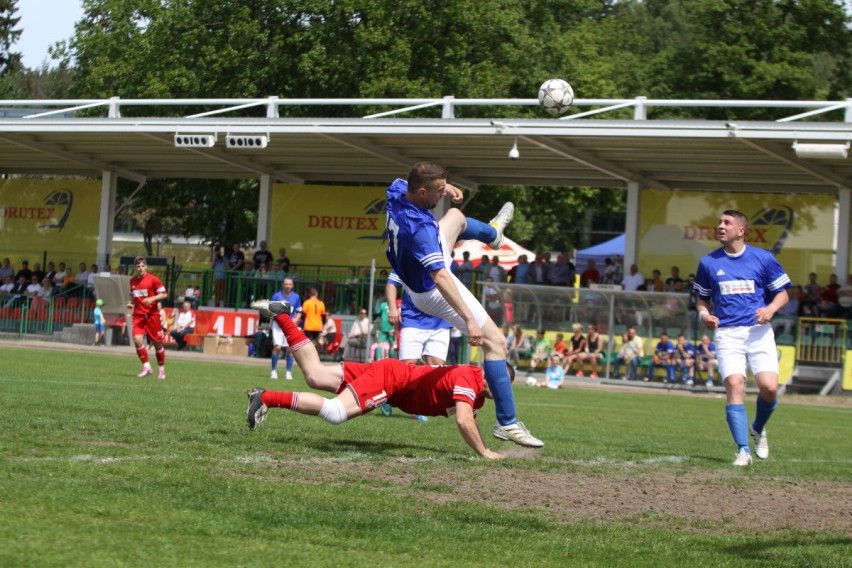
x,y
701,500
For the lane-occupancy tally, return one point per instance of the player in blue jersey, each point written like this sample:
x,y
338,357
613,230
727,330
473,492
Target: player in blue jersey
x,y
419,253
279,342
745,286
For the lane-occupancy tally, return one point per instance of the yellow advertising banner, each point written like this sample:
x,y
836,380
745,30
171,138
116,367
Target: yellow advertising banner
x,y
677,228
331,225
49,215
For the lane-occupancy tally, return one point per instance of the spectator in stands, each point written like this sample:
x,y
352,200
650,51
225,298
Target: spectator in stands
x,y
813,293
262,256
706,354
590,275
664,354
121,270
465,269
493,300
520,273
24,271
559,345
283,260
484,268
81,279
262,272
7,270
828,306
59,277
8,284
220,278
39,273
237,258
595,344
107,270
541,350
787,316
293,272
673,280
634,280
562,272
358,338
90,279
328,335
656,283
50,272
844,298
46,288
519,347
684,359
577,351
608,276
34,287
17,293
540,273
312,310
184,324
631,353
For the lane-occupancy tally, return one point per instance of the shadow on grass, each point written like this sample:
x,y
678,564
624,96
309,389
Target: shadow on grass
x,y
765,550
383,448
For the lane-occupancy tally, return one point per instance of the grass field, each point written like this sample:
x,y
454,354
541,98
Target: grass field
x,y
99,468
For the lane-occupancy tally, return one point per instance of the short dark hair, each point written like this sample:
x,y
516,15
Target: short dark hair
x,y
739,216
424,174
139,259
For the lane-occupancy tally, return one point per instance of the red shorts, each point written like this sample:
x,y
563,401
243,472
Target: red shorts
x,y
149,324
367,383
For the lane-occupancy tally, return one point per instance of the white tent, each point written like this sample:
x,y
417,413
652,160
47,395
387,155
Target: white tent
x,y
507,254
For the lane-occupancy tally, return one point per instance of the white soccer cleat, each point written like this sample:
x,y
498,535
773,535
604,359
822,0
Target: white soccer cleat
x,y
289,376
273,375
503,218
161,374
743,458
145,372
271,309
761,446
517,433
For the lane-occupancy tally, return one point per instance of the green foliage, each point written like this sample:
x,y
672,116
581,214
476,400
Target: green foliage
x,y
10,61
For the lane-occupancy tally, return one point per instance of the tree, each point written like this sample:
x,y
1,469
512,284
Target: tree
x,y
10,61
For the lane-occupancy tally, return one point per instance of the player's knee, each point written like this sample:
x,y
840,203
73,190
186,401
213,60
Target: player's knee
x,y
333,411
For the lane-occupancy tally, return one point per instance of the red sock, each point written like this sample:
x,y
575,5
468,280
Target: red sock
x,y
161,356
295,338
274,399
142,353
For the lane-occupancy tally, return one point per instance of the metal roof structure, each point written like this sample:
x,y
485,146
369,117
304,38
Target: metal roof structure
x,y
581,149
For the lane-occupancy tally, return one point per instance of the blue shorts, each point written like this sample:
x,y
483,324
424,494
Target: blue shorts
x,y
99,327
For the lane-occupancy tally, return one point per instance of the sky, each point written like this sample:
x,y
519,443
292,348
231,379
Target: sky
x,y
44,22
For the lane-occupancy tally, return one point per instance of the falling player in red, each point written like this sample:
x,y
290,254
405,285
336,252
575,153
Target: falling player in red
x,y
145,291
457,390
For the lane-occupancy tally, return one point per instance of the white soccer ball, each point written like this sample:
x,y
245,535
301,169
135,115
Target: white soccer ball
x,y
531,382
555,95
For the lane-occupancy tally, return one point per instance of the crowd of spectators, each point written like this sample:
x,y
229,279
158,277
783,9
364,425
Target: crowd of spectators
x,y
18,286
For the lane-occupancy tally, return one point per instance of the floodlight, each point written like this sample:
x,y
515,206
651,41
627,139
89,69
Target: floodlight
x,y
821,151
514,154
251,142
194,140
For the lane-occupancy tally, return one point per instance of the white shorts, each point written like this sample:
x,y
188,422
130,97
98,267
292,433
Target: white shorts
x,y
278,338
752,345
418,343
434,304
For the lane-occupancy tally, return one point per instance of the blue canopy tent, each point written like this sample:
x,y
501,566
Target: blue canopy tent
x,y
599,253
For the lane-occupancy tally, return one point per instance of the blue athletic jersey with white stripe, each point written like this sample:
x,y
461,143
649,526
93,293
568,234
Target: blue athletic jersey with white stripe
x,y
292,297
414,244
739,285
411,315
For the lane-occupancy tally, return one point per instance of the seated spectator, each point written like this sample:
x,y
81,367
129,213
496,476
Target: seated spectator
x,y
787,316
706,354
90,280
7,285
357,340
37,271
559,345
844,299
34,287
554,374
813,293
828,306
663,355
82,277
595,345
684,358
577,351
184,325
50,272
46,288
328,333
541,350
189,296
24,271
630,354
673,280
17,293
6,269
59,277
655,284
519,347
634,280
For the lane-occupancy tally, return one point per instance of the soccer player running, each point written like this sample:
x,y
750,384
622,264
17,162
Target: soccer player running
x,y
419,253
362,387
745,286
145,291
279,342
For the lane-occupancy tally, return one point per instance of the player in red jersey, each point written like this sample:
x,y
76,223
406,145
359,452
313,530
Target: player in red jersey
x,y
145,291
363,387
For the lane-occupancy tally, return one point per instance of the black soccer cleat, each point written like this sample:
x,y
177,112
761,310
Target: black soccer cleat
x,y
256,411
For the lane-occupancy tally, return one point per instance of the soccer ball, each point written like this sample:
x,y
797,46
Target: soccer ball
x,y
555,95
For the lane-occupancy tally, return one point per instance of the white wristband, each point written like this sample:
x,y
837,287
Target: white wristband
x,y
701,315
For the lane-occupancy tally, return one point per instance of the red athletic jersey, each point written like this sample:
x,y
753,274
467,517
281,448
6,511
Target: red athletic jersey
x,y
142,287
415,389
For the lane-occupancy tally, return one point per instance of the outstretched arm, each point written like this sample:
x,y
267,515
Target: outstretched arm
x,y
466,421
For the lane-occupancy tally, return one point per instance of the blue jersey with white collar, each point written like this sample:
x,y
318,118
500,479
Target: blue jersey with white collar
x,y
739,284
414,243
411,315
